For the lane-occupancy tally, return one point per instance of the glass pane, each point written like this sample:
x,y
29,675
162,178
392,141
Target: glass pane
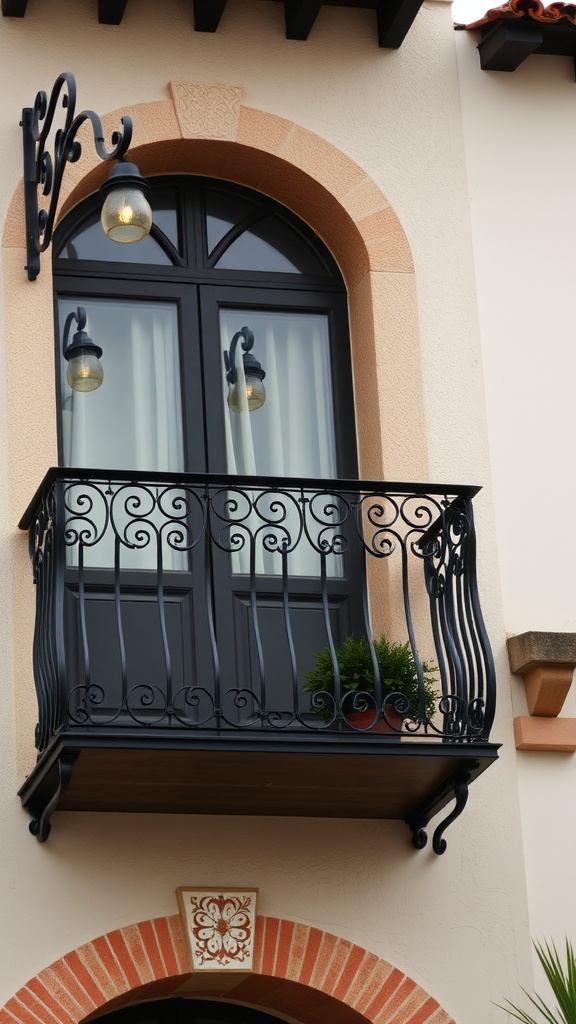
x,y
271,245
222,213
132,421
292,434
91,243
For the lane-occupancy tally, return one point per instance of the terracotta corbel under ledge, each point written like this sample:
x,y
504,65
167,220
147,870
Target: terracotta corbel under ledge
x,y
546,662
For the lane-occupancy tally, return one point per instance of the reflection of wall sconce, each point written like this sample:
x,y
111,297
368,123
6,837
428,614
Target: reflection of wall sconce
x,y
84,371
126,215
253,395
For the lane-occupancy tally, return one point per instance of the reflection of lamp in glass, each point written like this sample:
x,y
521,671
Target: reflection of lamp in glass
x,y
126,213
84,371
254,394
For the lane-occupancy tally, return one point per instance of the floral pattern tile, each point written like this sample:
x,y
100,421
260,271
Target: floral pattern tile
x,y
219,927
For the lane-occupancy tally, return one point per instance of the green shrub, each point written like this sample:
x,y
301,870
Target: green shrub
x,y
397,674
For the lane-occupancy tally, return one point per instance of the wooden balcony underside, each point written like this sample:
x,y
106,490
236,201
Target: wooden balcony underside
x,y
407,780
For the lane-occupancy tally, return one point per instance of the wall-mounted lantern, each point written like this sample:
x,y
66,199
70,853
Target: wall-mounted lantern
x,y
126,215
84,371
254,393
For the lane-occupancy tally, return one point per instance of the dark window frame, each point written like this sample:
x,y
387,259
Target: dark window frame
x,y
78,279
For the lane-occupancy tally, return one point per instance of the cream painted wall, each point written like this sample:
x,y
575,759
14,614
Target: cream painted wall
x,y
521,150
457,924
521,159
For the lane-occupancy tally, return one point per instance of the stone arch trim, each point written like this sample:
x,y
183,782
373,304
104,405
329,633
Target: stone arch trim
x,y
300,971
205,129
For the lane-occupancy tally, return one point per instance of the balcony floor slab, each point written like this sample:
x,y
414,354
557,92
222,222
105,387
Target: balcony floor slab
x,y
364,778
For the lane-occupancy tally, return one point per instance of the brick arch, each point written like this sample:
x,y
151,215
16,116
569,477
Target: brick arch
x,y
302,972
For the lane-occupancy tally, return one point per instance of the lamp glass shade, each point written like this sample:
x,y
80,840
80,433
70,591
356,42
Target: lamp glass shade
x,y
254,394
84,372
126,215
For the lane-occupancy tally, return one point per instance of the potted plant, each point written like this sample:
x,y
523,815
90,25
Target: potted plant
x,y
397,676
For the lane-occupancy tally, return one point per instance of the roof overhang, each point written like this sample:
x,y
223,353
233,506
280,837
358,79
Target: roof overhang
x,y
393,17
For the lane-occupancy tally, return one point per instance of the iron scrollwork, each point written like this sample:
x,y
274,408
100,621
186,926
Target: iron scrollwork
x,y
125,542
418,821
261,532
46,170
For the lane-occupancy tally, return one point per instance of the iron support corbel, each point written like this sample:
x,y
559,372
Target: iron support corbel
x,y
49,796
418,822
461,793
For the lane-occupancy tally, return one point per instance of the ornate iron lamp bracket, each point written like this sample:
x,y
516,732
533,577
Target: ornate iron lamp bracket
x,y
46,170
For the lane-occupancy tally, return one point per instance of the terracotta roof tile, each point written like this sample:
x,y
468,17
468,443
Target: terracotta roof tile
x,y
532,9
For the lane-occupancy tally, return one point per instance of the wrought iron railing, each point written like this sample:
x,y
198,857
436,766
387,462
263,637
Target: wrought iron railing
x,y
199,603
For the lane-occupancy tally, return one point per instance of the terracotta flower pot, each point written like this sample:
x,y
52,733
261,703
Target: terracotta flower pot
x,y
363,720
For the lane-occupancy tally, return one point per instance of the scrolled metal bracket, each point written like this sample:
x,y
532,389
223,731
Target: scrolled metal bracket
x,y
417,827
41,809
461,793
418,822
46,170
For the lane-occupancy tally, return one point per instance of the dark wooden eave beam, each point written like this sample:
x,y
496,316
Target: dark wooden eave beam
x,y
14,8
394,18
300,16
507,45
111,12
207,14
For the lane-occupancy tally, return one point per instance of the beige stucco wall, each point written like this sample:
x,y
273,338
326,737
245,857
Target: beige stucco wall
x,y
521,159
457,924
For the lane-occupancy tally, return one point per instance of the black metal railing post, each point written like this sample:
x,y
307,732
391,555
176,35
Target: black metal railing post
x,y
45,543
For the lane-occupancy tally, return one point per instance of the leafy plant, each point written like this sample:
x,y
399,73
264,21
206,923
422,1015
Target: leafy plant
x,y
397,674
562,979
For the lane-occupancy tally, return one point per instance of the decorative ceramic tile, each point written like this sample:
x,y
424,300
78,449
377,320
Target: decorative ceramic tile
x,y
219,927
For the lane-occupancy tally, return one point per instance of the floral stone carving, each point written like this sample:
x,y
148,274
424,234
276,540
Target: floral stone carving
x,y
219,927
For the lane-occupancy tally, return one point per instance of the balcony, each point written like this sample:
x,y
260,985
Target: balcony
x,y
178,619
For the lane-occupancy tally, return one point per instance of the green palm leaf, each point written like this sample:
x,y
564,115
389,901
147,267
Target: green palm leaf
x,y
562,980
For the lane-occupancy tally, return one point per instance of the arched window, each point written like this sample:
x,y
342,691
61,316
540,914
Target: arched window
x,y
164,310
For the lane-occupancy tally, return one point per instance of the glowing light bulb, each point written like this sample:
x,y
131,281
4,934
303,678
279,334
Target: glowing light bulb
x,y
254,391
84,372
125,213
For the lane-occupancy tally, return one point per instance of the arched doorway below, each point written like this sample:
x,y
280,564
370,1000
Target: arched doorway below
x,y
206,1011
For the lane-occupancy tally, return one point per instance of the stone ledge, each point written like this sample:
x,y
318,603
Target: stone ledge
x,y
527,650
546,662
531,733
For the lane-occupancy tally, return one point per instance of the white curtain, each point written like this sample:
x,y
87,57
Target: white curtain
x,y
292,435
133,421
